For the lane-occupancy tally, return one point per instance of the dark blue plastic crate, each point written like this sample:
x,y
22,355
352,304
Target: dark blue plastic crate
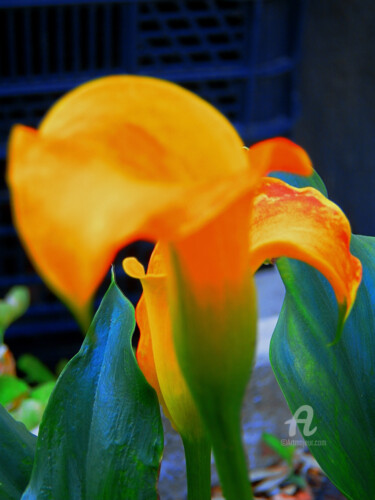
x,y
241,55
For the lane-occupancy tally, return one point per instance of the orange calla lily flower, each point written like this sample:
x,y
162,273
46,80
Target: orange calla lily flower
x,y
127,157
285,221
155,351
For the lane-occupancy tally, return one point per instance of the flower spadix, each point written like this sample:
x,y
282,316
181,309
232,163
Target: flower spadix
x,y
127,157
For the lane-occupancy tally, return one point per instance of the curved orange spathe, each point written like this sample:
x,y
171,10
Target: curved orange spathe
x,y
303,224
155,352
109,152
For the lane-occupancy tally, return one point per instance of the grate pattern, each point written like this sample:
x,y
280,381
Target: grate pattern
x,y
62,40
48,47
192,34
239,55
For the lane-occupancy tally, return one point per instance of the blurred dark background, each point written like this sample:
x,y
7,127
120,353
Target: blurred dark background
x,y
337,124
259,61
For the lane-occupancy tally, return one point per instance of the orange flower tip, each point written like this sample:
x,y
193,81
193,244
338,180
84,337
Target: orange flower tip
x,y
133,268
346,305
20,133
21,139
281,155
344,312
296,158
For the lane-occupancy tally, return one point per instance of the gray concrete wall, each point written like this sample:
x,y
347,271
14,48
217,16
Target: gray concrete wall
x,y
337,126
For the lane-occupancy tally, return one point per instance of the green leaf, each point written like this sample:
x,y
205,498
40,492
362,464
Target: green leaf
x,y
286,452
43,392
299,181
29,412
101,434
61,365
11,388
17,447
337,381
13,306
35,371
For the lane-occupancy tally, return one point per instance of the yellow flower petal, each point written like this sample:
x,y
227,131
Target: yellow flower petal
x,y
155,353
144,353
303,224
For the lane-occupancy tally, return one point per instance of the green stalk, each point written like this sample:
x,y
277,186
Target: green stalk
x,y
198,468
230,458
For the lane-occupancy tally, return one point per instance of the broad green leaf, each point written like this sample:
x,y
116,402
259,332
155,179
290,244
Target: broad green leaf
x,y
17,449
11,388
101,434
35,371
336,381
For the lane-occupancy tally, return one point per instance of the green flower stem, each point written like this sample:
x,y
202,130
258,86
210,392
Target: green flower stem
x,y
230,458
198,468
